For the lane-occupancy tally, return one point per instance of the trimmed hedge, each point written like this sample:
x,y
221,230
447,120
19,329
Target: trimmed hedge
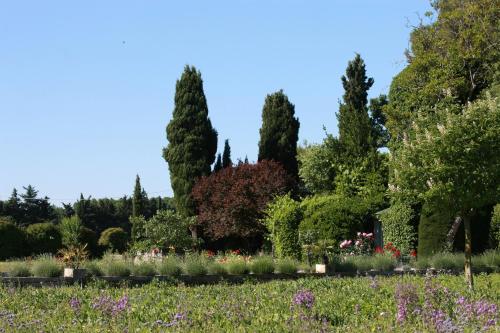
x,y
12,241
43,238
114,239
433,229
397,228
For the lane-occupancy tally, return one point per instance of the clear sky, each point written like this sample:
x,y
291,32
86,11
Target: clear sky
x,y
87,87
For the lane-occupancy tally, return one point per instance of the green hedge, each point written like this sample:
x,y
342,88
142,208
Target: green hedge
x,y
397,227
433,229
43,238
495,227
114,239
12,241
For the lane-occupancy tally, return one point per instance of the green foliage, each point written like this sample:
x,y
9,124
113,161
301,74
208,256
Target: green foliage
x,y
192,139
12,241
144,269
218,163
353,119
215,268
89,238
432,229
286,266
282,219
444,260
237,266
262,265
397,227
490,260
93,268
139,201
165,229
114,239
43,238
195,265
116,268
226,155
47,267
71,230
171,266
332,217
495,227
279,132
19,269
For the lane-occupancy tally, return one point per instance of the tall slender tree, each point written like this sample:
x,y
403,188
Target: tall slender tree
x,y
226,155
138,199
355,129
192,139
279,132
218,163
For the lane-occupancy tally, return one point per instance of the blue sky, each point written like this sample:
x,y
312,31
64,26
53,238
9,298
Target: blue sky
x,y
86,88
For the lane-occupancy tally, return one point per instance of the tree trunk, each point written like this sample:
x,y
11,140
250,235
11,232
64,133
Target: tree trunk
x,y
450,238
468,251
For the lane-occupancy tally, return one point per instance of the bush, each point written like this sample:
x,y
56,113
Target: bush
x,y
12,241
89,237
93,268
215,268
47,267
43,238
363,263
237,267
433,229
422,263
488,261
114,239
19,269
171,266
397,228
333,217
383,263
144,269
262,265
116,268
346,266
195,265
445,260
495,227
70,228
286,266
283,216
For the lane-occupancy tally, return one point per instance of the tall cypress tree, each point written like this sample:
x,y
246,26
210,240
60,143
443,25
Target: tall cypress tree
x,y
226,155
279,132
354,122
218,163
137,198
192,139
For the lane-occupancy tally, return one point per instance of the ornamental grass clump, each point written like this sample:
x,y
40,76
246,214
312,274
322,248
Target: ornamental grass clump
x,y
262,265
19,269
447,261
195,265
422,263
348,265
93,268
383,263
488,261
363,263
216,268
144,269
286,266
47,267
116,268
237,266
171,266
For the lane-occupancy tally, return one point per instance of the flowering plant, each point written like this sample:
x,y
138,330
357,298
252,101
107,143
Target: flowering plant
x,y
361,246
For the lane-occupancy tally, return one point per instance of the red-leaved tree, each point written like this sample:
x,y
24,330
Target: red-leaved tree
x,y
230,202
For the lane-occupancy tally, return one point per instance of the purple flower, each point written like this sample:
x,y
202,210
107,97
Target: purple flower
x,y
304,298
178,317
407,301
75,304
110,307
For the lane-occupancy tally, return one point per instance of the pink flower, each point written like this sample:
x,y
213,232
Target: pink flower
x,y
370,235
359,234
358,243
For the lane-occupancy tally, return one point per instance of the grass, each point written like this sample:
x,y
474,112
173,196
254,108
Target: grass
x,y
215,268
93,268
47,267
19,269
195,265
448,261
286,266
262,265
340,305
116,268
144,269
237,267
171,266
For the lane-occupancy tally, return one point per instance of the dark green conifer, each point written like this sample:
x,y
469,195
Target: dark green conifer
x,y
226,155
279,132
192,139
218,163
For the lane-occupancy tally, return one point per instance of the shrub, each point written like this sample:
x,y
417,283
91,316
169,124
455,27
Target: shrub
x,y
114,239
43,238
215,268
286,266
144,269
333,217
93,268
195,265
47,267
70,228
12,241
363,263
422,263
432,229
171,266
19,269
262,265
237,267
495,227
89,237
116,268
397,228
488,261
445,260
346,266
283,216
